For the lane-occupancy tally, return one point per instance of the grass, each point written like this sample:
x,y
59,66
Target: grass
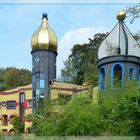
x,y
33,137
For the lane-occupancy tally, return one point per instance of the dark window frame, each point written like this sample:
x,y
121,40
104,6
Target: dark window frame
x,y
102,78
9,107
3,120
131,76
113,69
28,105
11,118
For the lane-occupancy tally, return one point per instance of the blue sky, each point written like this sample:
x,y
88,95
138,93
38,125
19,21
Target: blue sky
x,y
71,23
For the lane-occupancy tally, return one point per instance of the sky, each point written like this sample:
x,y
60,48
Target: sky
x,y
73,22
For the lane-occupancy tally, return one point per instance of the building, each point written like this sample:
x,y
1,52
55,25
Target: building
x,y
118,57
16,102
22,101
44,52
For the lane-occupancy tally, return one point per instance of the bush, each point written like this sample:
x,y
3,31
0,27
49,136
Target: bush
x,y
117,113
121,111
18,125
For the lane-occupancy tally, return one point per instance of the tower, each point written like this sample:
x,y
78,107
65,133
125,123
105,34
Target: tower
x,y
44,52
118,57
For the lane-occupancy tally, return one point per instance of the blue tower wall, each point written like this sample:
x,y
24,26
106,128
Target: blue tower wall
x,y
43,73
129,70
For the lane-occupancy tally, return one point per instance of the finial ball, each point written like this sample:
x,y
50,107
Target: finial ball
x,y
45,15
121,15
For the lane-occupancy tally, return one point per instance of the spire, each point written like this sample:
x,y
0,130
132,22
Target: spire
x,y
121,15
44,37
45,15
122,32
119,41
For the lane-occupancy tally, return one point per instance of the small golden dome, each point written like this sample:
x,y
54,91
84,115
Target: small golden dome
x,y
44,37
121,15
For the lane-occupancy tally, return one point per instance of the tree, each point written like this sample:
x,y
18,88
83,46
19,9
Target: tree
x,y
12,77
81,65
133,12
24,77
67,72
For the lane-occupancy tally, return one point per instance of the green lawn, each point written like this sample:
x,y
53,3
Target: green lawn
x,y
33,137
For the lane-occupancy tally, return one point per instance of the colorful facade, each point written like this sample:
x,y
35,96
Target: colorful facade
x,y
16,102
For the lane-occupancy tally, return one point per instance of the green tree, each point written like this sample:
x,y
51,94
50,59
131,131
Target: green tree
x,y
12,77
82,62
67,72
24,77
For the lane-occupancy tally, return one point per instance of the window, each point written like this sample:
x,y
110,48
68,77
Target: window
x,y
131,73
22,97
37,75
117,75
12,132
11,119
11,104
29,103
42,83
4,131
139,71
21,107
102,78
4,120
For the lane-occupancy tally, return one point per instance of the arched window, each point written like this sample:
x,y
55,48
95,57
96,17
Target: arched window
x,y
4,120
12,132
11,118
102,78
117,75
131,73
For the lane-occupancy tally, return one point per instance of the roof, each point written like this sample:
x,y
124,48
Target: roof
x,y
120,41
55,86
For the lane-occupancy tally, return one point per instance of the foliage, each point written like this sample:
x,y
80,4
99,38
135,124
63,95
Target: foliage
x,y
2,137
119,110
77,119
117,113
80,117
81,64
12,77
18,125
45,122
63,98
133,12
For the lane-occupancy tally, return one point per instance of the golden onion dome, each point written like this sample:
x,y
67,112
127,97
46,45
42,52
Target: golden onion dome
x,y
121,15
44,37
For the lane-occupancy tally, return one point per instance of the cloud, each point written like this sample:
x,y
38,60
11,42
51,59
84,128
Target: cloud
x,y
72,37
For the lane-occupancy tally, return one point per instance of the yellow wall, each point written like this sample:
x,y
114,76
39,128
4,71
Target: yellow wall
x,y
8,96
56,89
